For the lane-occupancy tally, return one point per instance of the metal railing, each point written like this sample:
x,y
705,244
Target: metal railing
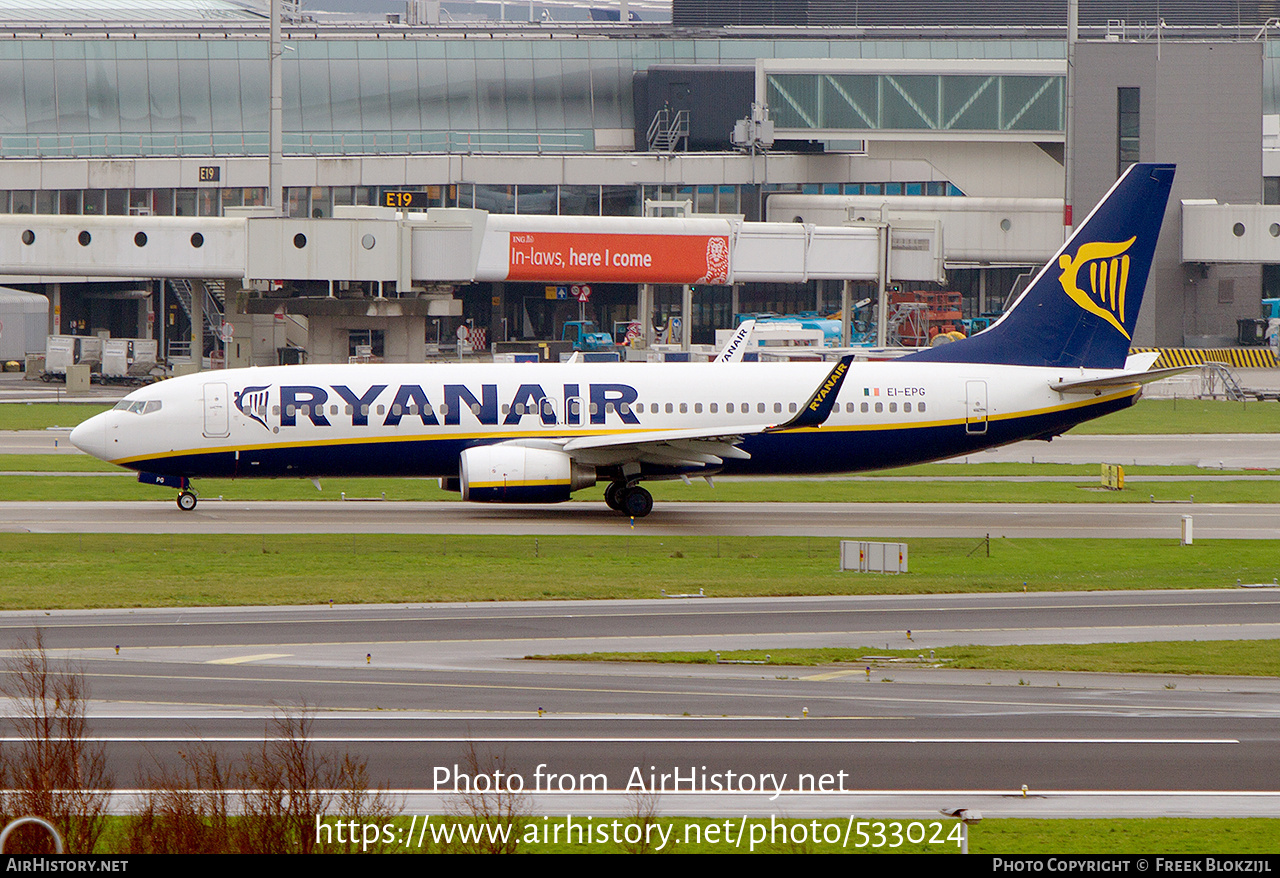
x,y
327,143
667,131
185,291
178,350
1217,379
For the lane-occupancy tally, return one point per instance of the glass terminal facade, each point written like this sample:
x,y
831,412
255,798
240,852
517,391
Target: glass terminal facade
x,y
130,97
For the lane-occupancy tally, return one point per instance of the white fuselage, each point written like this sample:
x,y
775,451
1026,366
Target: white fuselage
x,y
414,419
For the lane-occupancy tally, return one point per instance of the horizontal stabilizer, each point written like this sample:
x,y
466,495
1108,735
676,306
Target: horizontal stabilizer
x,y
1111,382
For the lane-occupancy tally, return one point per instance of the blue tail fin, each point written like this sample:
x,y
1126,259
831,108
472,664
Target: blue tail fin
x,y
1081,308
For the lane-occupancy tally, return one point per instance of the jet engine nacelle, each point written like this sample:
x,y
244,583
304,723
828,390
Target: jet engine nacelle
x,y
517,474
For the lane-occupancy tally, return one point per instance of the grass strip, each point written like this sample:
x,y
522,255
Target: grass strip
x,y
43,415
1181,416
58,463
1086,473
47,571
1251,658
694,835
47,489
538,834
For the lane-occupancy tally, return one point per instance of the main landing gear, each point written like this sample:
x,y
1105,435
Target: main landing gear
x,y
631,500
187,500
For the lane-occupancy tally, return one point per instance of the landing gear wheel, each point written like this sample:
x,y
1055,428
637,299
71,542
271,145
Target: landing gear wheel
x,y
186,501
637,502
613,496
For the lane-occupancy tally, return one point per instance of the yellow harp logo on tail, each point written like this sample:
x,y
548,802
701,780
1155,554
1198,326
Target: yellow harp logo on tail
x,y
1107,279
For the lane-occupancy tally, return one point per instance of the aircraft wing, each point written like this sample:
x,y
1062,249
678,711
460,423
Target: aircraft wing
x,y
707,445
662,447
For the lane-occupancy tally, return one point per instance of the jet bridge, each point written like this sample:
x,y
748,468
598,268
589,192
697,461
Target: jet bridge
x,y
377,264
441,246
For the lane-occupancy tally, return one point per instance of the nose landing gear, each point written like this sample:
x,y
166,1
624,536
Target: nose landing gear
x,y
186,495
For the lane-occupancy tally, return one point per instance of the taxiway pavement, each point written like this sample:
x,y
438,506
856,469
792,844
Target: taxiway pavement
x,y
1260,521
416,689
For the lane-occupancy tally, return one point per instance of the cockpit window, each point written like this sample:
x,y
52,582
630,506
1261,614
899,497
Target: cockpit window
x,y
138,406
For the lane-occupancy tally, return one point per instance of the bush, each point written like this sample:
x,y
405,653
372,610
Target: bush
x,y
270,802
53,771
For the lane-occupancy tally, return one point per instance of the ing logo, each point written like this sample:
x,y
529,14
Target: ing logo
x,y
1103,268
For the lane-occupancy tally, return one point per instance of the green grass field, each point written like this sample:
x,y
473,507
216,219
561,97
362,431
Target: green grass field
x,y
1085,473
684,835
1243,490
1252,658
1163,836
970,483
693,835
43,415
1181,416
48,571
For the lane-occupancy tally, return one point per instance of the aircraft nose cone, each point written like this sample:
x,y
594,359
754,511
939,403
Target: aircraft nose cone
x,y
91,436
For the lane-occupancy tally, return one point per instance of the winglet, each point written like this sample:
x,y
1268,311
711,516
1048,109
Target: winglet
x,y
818,408
733,351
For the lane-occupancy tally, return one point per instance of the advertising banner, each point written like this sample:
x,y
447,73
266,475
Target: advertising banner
x,y
612,258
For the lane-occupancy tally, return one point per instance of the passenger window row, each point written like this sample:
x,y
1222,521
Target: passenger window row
x,y
521,409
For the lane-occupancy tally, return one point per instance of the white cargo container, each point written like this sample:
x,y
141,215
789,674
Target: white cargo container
x,y
24,320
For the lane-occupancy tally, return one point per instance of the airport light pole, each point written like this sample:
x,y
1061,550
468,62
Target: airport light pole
x,y
1068,157
882,268
276,135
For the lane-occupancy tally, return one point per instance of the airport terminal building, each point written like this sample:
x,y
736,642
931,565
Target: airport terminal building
x,y
775,112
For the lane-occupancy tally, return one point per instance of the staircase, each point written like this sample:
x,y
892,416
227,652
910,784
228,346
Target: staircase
x,y
214,303
908,325
1217,378
668,131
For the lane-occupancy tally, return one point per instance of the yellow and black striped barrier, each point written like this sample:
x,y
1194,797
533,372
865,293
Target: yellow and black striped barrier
x,y
1241,358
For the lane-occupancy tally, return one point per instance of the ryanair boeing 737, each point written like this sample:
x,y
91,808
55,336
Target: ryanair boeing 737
x,y
537,433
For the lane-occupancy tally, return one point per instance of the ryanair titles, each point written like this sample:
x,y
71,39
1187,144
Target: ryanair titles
x,y
382,405
832,383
